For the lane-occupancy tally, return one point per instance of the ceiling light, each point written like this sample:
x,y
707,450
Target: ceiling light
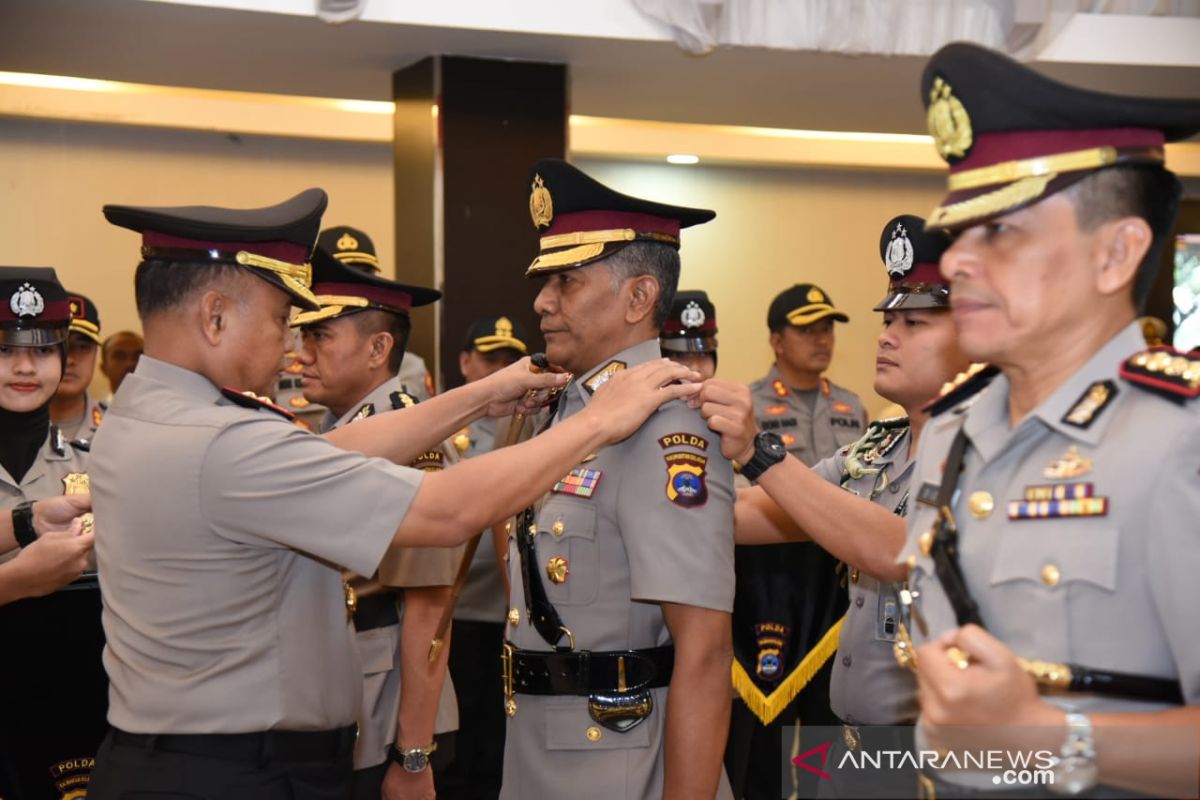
x,y
683,158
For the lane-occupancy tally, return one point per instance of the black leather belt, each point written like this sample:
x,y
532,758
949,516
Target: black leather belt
x,y
584,672
260,747
376,611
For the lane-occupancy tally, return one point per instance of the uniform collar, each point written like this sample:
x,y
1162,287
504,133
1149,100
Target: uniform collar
x,y
379,397
578,394
987,422
183,380
774,375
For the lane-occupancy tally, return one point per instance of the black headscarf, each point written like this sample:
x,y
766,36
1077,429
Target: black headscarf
x,y
22,434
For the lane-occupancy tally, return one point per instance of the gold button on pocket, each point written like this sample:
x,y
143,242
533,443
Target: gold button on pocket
x,y
981,505
558,528
594,734
1051,575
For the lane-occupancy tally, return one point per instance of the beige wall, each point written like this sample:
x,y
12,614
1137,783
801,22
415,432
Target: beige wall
x,y
54,178
774,227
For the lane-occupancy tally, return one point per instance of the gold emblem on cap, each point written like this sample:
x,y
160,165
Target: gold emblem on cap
x,y
981,504
948,122
541,205
557,569
504,327
814,296
347,242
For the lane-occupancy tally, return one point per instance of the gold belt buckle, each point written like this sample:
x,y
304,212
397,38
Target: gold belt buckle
x,y
506,665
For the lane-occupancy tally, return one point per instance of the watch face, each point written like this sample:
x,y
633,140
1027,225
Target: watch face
x,y
415,761
773,444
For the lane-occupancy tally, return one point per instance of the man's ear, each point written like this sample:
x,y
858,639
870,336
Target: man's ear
x,y
382,343
776,342
1122,244
643,297
213,308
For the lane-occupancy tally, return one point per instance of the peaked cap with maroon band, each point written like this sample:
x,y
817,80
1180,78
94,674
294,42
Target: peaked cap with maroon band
x,y
911,254
274,242
692,325
34,308
85,318
343,288
581,220
1013,136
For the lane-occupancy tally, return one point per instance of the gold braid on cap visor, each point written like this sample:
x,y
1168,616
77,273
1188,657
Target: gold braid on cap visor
x,y
331,306
584,245
296,277
486,344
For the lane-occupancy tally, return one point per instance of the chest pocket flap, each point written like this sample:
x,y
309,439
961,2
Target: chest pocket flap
x,y
1056,553
567,551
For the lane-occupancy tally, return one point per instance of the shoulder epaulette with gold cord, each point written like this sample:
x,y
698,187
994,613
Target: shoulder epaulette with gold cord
x,y
1164,371
964,385
251,400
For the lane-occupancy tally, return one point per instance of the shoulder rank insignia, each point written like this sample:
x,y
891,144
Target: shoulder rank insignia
x,y
402,400
965,385
251,400
686,473
97,415
1164,371
602,376
57,441
1090,404
581,482
779,387
299,401
364,411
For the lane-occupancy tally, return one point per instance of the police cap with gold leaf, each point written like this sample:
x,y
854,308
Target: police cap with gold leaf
x,y
803,304
1013,136
911,254
274,243
490,334
34,308
342,289
581,220
349,246
85,318
691,326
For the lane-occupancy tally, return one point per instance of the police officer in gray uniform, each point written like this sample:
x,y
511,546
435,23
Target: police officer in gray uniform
x,y
491,343
1057,499
812,415
351,348
73,409
47,736
621,576
917,353
230,646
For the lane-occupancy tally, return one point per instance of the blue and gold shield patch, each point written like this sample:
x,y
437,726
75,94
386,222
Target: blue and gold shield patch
x,y
686,484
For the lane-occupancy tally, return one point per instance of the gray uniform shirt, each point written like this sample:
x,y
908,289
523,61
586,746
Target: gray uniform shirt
x,y
218,528
867,687
630,543
44,478
379,648
810,434
84,427
1112,590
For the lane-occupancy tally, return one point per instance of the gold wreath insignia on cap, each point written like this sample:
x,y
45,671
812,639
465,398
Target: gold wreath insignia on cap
x,y
347,242
948,122
504,327
541,205
814,296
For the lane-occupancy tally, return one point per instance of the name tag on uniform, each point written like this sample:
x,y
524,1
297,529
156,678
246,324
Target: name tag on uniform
x,y
580,482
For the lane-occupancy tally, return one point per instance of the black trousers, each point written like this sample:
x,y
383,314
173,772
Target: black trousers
x,y
125,772
478,764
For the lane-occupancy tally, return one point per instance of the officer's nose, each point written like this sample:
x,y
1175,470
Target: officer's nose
x,y
305,353
543,304
959,260
23,361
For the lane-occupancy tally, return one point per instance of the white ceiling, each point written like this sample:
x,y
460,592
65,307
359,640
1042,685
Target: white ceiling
x,y
166,43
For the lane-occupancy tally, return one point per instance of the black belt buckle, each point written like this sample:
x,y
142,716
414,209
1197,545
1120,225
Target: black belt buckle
x,y
620,712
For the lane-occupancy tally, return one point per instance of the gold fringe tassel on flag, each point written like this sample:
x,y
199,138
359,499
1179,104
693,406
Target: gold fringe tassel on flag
x,y
768,707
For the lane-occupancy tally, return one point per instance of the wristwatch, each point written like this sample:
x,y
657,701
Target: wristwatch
x,y
1075,769
22,522
413,759
768,451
